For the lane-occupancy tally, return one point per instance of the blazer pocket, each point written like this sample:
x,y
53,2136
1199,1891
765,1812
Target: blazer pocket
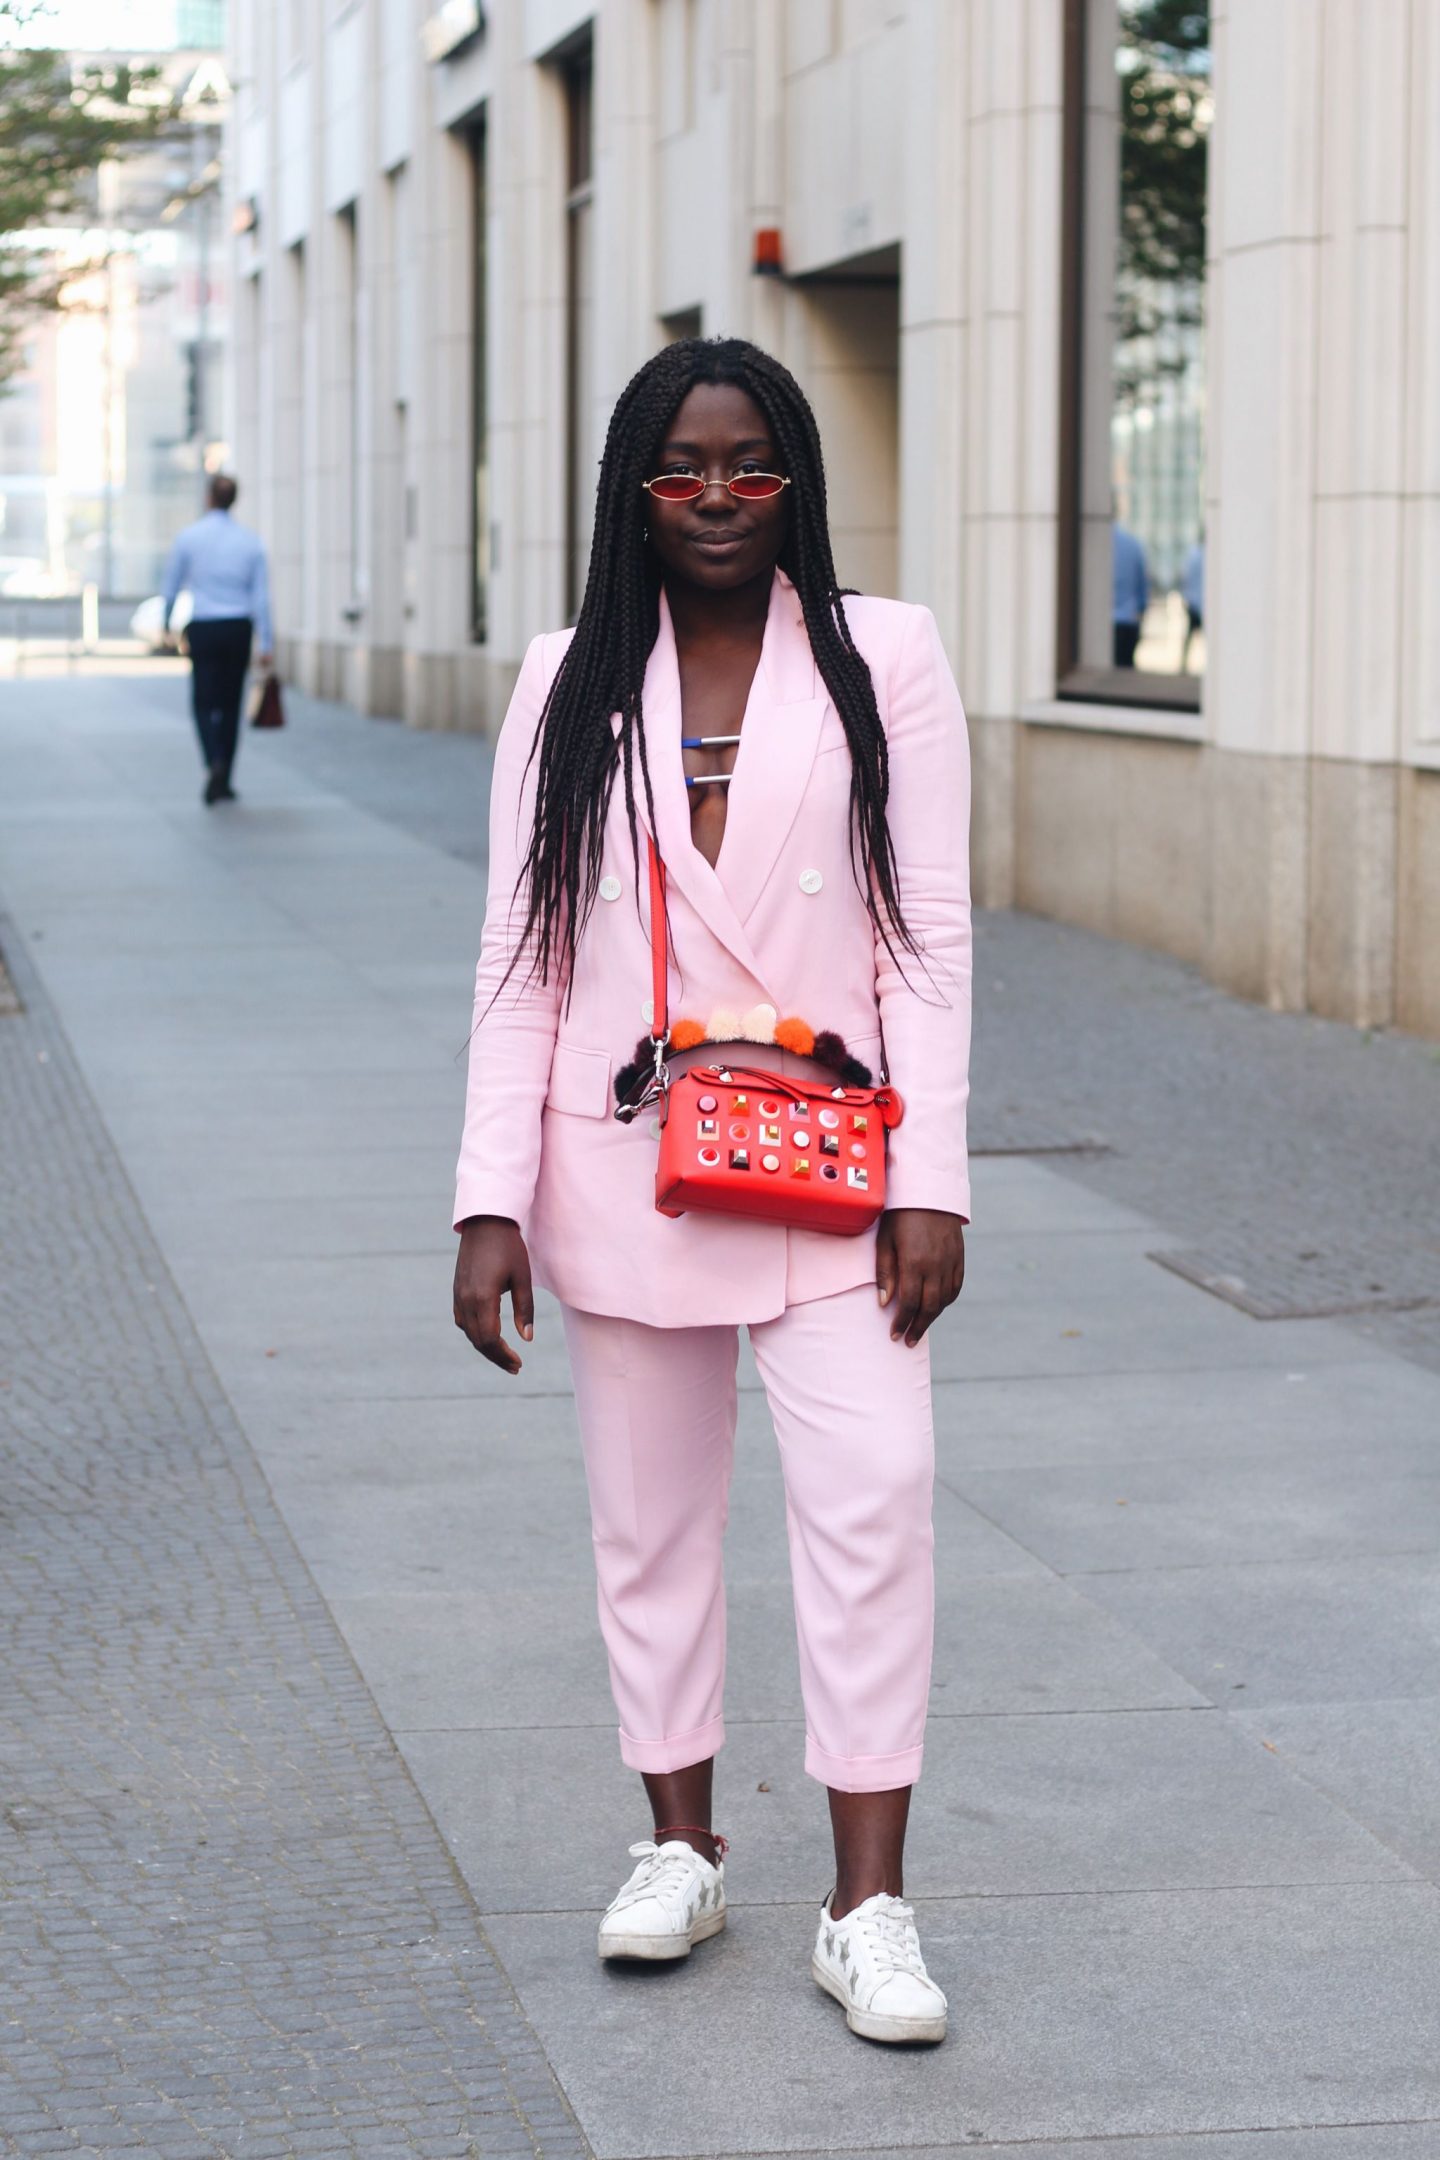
x,y
579,1081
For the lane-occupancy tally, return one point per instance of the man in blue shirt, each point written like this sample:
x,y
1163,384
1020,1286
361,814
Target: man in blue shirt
x,y
222,565
1192,592
1132,594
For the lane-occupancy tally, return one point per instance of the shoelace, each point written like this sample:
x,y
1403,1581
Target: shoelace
x,y
889,1930
658,1872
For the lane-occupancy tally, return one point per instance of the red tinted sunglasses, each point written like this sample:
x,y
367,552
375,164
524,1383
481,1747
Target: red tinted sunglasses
x,y
689,487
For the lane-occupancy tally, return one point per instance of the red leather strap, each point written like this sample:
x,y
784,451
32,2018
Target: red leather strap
x,y
660,1023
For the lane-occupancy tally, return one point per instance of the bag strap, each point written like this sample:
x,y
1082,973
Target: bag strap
x,y
659,931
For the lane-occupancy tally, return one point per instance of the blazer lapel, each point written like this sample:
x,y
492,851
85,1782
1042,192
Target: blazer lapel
x,y
777,749
685,867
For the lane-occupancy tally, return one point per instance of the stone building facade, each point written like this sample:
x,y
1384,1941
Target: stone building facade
x,y
1027,335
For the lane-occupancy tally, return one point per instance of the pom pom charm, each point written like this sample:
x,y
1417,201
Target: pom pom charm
x,y
759,1025
641,1063
795,1036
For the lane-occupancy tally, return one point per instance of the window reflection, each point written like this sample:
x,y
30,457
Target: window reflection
x,y
1162,62
1141,409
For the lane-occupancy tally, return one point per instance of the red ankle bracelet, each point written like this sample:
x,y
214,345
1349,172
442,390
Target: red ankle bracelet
x,y
722,1845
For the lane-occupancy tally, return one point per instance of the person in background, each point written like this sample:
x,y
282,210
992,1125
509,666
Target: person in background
x,y
222,565
1192,592
1132,595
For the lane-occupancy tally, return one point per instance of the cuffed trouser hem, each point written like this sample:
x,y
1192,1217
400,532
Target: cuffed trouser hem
x,y
676,1753
862,1773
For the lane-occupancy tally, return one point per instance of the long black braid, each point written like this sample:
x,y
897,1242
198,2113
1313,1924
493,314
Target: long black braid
x,y
603,671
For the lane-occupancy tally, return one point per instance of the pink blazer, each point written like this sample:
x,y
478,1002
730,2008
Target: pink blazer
x,y
778,920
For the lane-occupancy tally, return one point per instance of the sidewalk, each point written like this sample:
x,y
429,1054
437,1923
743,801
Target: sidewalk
x,y
1176,1848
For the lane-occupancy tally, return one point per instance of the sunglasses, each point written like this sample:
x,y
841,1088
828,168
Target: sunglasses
x,y
689,487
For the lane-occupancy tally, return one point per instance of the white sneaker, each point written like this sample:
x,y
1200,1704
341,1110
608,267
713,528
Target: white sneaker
x,y
674,1899
870,1961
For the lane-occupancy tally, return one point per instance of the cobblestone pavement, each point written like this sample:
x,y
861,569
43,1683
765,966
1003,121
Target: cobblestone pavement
x,y
231,1926
1296,1160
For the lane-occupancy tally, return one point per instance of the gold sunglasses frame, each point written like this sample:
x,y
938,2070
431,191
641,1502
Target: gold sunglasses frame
x,y
728,485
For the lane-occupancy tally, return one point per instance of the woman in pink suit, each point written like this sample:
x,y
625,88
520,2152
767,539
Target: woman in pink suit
x,y
801,761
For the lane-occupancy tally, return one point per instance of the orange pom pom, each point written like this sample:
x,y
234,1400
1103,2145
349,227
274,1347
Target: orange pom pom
x,y
793,1035
685,1034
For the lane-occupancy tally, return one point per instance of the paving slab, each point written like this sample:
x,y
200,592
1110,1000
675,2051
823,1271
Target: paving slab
x,y
1006,1806
1029,1423
1302,1631
1107,2018
1353,2141
1312,1500
1380,1761
483,1515
464,1657
1088,1331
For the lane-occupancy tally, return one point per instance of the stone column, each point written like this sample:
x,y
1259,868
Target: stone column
x,y
980,355
1308,310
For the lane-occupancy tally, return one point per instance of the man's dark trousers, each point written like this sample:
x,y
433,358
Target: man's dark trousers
x,y
219,656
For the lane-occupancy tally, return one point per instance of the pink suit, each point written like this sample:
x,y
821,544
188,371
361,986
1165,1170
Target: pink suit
x,y
778,920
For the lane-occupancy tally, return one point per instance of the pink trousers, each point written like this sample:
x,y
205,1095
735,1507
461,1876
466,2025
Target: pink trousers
x,y
851,1412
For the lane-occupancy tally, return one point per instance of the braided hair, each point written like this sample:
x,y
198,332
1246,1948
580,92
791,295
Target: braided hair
x,y
603,671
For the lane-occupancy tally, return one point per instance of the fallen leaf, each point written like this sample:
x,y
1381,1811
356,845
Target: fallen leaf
x,y
763,1786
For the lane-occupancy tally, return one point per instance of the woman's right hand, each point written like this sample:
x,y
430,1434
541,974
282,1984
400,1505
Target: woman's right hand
x,y
493,1260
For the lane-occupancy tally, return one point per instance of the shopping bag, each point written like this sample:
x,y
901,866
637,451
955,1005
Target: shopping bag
x,y
268,708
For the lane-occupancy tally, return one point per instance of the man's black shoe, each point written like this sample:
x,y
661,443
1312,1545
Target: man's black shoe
x,y
216,787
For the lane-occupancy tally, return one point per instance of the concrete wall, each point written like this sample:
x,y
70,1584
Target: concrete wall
x,y
1286,839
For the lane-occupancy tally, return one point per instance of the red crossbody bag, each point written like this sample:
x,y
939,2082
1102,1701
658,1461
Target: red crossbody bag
x,y
745,1140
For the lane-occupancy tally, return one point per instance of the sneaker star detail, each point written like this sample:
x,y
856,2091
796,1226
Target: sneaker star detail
x,y
674,1899
871,1963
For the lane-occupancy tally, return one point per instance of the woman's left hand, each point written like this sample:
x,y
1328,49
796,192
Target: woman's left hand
x,y
919,1267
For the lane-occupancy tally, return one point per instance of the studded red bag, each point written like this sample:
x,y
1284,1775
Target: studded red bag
x,y
745,1140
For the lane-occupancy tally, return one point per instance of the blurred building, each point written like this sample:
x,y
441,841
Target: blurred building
x,y
106,431
1123,332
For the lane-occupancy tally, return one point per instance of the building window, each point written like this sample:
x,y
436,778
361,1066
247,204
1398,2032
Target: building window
x,y
480,550
581,448
1132,572
349,365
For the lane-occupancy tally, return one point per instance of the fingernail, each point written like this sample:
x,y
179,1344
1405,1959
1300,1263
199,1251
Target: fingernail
x,y
527,1332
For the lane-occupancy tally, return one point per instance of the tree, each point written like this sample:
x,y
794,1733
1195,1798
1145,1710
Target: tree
x,y
1164,122
60,118
1164,143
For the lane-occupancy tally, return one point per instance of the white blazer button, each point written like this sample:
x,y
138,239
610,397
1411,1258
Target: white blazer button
x,y
647,1012
609,888
810,881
